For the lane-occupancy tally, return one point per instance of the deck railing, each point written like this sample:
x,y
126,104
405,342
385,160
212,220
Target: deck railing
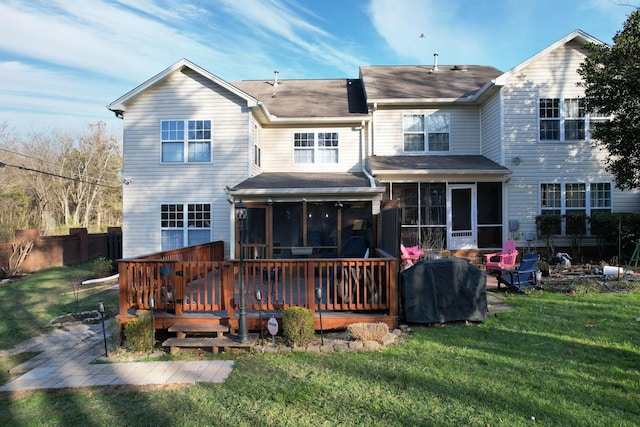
x,y
198,279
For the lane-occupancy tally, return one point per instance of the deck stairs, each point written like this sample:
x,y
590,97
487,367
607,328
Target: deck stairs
x,y
197,335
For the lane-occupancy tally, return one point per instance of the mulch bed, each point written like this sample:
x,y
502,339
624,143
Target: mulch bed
x,y
586,277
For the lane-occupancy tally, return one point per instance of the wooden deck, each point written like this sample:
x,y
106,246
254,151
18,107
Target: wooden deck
x,y
194,285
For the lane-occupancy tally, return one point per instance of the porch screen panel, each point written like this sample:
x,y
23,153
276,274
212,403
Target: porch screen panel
x,y
433,216
489,214
322,227
356,221
461,207
408,196
287,228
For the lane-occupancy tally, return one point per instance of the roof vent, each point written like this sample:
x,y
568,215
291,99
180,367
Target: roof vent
x,y
435,62
459,68
276,73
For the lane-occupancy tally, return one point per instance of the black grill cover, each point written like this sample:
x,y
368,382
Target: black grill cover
x,y
450,289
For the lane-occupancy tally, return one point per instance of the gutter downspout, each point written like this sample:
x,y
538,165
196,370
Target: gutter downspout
x,y
363,155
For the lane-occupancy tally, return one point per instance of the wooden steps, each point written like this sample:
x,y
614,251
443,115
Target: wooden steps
x,y
182,330
226,342
215,343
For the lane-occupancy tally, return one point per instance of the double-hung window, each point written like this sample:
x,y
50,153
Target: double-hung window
x,y
186,141
315,147
575,200
565,119
425,132
185,224
574,120
600,197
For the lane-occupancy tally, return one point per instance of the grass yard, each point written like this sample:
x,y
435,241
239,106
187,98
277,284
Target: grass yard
x,y
28,304
557,360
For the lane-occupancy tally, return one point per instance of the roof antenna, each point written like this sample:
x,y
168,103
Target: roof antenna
x,y
435,62
276,73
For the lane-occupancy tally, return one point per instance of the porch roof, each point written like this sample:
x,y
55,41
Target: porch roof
x,y
292,184
441,165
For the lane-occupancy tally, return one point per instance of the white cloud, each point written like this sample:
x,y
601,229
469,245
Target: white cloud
x,y
279,25
94,36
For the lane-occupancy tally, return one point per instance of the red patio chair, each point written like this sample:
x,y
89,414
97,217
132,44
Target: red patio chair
x,y
502,260
410,255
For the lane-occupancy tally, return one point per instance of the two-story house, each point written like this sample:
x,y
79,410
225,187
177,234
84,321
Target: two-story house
x,y
470,154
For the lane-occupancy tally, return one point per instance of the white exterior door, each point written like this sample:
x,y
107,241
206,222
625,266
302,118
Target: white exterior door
x,y
462,216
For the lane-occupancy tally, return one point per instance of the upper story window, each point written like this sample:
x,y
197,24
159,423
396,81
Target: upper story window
x,y
565,119
186,141
426,132
312,147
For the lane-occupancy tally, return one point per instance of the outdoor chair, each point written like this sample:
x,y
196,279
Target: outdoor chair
x,y
410,254
502,260
522,278
348,278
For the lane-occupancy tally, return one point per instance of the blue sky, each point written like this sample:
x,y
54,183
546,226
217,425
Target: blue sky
x,y
63,61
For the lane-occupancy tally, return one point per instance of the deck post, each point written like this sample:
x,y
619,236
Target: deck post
x,y
180,283
123,291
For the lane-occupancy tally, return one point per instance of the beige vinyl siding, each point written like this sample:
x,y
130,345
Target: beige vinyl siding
x,y
553,76
464,131
277,149
185,95
491,128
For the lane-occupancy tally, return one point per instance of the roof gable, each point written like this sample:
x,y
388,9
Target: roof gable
x,y
577,34
119,105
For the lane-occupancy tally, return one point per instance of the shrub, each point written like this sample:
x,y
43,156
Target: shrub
x,y
548,226
297,325
609,227
102,267
138,335
368,331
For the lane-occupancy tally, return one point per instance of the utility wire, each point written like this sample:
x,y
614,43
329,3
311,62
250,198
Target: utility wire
x,y
26,156
41,160
24,168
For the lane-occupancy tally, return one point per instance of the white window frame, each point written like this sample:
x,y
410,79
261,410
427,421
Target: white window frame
x,y
321,147
427,130
191,138
569,110
180,222
598,197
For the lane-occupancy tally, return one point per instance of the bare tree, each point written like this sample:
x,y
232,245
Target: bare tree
x,y
63,180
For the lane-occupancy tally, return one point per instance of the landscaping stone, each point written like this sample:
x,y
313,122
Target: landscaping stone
x,y
327,348
356,345
372,346
388,340
342,347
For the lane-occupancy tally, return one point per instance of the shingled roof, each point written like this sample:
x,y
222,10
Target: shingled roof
x,y
328,98
435,164
305,183
419,82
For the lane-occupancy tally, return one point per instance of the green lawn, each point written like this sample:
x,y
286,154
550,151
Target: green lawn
x,y
28,304
557,360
